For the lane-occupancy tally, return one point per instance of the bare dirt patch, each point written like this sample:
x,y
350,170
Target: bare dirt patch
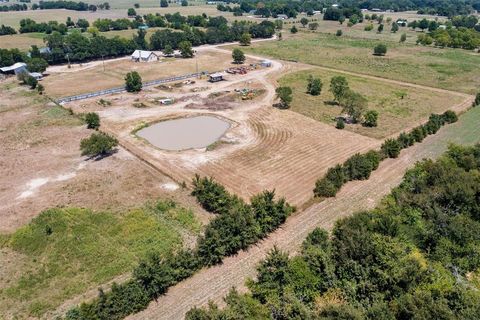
x,y
264,148
41,166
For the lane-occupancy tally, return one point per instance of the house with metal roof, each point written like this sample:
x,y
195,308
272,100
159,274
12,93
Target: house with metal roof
x,y
144,56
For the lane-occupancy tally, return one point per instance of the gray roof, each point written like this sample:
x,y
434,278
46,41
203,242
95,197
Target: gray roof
x,y
13,67
142,54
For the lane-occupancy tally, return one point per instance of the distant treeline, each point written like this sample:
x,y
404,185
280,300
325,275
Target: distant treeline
x,y
237,226
14,7
416,256
272,8
77,47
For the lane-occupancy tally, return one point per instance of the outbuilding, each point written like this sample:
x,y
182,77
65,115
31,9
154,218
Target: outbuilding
x,y
215,77
15,68
266,63
144,56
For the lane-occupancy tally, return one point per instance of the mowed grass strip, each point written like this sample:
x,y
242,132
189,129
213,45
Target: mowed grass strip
x,y
64,252
453,69
399,107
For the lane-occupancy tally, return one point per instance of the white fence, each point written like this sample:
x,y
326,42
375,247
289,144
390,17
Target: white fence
x,y
121,89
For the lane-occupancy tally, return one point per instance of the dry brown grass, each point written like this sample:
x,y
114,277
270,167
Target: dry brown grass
x,y
91,79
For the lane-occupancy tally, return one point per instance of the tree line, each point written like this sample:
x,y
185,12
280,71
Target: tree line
x,y
13,7
413,257
76,47
237,226
360,166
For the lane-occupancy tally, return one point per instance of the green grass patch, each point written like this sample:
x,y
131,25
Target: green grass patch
x,y
68,251
454,69
399,107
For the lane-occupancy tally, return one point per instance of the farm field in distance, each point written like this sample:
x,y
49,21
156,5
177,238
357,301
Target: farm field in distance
x,y
399,107
443,68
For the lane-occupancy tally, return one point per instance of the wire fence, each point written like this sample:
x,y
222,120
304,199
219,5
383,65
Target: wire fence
x,y
121,89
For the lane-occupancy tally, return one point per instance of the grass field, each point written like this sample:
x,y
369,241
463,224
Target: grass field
x,y
64,252
395,113
60,15
452,69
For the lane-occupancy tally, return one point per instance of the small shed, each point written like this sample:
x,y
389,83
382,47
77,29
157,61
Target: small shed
x,y
36,75
215,77
282,17
15,68
144,56
266,63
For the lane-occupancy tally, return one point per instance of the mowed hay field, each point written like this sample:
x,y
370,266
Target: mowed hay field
x,y
290,153
452,69
399,107
66,252
91,77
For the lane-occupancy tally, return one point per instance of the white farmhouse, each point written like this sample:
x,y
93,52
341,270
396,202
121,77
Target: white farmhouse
x,y
144,56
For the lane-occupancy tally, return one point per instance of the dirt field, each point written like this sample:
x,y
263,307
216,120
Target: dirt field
x,y
65,82
267,148
399,106
41,166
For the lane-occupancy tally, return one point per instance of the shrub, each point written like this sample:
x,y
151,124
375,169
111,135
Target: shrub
x,y
368,27
285,96
405,140
340,124
477,100
325,188
93,120
339,33
450,117
358,167
294,29
98,144
418,134
337,176
212,196
435,122
380,49
371,117
391,148
314,86
403,37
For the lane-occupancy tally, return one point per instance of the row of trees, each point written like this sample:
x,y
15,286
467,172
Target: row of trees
x,y
359,167
6,30
14,7
238,226
414,257
464,38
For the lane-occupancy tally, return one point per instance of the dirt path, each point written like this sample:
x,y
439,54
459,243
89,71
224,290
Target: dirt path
x,y
214,283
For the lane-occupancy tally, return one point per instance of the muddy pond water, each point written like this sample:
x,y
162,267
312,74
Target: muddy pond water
x,y
185,133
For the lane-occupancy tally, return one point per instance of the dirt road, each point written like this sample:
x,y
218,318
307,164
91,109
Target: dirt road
x,y
214,283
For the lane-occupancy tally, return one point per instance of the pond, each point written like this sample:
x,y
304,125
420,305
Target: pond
x,y
185,133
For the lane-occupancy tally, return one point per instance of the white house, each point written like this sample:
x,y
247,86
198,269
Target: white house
x,y
144,56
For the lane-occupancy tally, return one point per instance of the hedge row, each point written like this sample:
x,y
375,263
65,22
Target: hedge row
x,y
239,225
359,167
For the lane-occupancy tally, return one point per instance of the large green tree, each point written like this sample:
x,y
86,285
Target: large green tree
x,y
133,82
